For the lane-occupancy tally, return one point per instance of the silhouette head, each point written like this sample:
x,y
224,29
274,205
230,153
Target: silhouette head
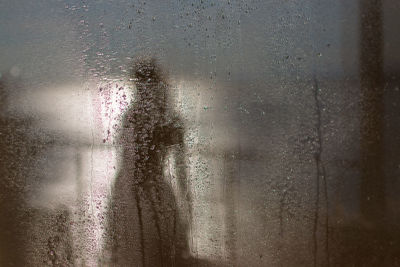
x,y
149,80
146,71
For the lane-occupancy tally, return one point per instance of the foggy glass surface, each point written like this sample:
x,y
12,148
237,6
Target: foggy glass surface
x,y
199,133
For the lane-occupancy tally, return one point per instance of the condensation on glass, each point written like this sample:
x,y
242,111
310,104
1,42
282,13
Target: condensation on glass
x,y
199,133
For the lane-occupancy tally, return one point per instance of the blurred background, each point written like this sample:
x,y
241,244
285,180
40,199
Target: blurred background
x,y
291,118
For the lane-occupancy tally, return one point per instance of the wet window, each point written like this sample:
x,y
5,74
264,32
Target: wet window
x,y
199,133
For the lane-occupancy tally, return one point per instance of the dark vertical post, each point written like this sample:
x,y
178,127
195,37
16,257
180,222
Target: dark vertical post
x,y
13,166
372,112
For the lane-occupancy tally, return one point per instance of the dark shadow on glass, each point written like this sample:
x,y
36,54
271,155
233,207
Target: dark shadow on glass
x,y
370,241
12,249
146,227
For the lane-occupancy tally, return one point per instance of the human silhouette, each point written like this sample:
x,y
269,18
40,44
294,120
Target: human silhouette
x,y
145,226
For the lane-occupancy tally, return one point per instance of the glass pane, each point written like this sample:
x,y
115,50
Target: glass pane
x,y
199,133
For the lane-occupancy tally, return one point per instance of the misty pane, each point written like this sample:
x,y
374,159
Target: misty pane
x,y
199,133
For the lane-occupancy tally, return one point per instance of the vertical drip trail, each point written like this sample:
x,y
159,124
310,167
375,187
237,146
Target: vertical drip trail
x,y
316,219
91,172
174,229
321,173
281,214
281,211
157,222
229,193
92,125
139,208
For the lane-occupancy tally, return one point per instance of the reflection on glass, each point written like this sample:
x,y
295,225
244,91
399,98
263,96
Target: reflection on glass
x,y
146,224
